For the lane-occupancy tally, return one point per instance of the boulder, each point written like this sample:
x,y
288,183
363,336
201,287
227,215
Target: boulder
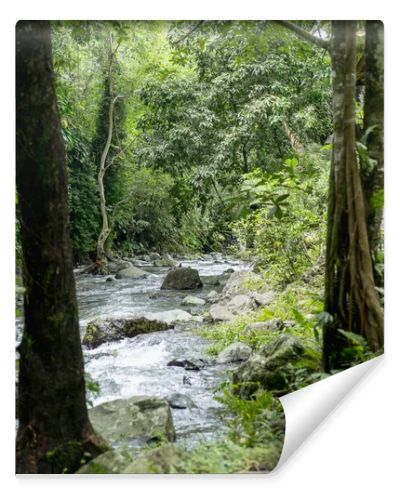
x,y
166,459
180,401
131,272
238,351
139,263
154,256
282,350
271,368
192,364
241,304
172,316
212,297
220,312
238,283
165,261
115,266
191,300
256,372
271,325
140,419
263,298
182,278
111,462
107,330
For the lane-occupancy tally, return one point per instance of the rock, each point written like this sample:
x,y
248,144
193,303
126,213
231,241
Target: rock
x,y
139,263
115,266
140,418
271,368
180,401
207,257
145,258
107,330
238,351
131,272
171,317
192,364
166,459
288,323
241,304
272,325
282,350
197,319
154,256
182,278
191,300
238,283
212,297
110,462
229,271
255,373
110,279
263,299
219,312
165,261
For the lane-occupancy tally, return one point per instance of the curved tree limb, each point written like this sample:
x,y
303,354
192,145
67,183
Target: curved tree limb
x,y
305,35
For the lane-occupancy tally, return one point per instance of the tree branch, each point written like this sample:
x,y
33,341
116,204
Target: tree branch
x,y
190,32
305,35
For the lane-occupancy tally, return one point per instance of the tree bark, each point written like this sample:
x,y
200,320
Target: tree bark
x,y
350,295
372,176
54,433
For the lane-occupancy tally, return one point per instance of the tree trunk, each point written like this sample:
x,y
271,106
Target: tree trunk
x,y
350,294
372,175
54,433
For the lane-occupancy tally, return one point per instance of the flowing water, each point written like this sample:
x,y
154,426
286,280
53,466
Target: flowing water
x,y
138,366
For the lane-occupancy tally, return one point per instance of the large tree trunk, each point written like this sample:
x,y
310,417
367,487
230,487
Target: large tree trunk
x,y
372,175
350,294
54,433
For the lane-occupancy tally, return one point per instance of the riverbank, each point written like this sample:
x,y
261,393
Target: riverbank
x,y
198,421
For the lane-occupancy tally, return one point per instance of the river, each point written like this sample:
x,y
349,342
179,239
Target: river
x,y
138,366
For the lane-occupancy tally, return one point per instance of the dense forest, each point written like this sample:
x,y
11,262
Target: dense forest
x,y
229,171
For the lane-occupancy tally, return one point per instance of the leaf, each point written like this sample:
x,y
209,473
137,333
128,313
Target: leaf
x,y
377,199
282,197
323,318
292,162
354,338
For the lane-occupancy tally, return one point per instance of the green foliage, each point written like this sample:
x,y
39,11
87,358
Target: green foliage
x,y
256,421
211,113
92,388
227,457
357,350
285,228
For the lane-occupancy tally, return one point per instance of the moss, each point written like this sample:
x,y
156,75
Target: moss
x,y
66,458
142,325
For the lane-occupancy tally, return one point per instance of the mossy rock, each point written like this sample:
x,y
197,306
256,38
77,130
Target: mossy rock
x,y
271,369
182,278
166,459
137,420
105,330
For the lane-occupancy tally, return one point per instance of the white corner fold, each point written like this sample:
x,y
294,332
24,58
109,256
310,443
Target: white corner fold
x,y
306,408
